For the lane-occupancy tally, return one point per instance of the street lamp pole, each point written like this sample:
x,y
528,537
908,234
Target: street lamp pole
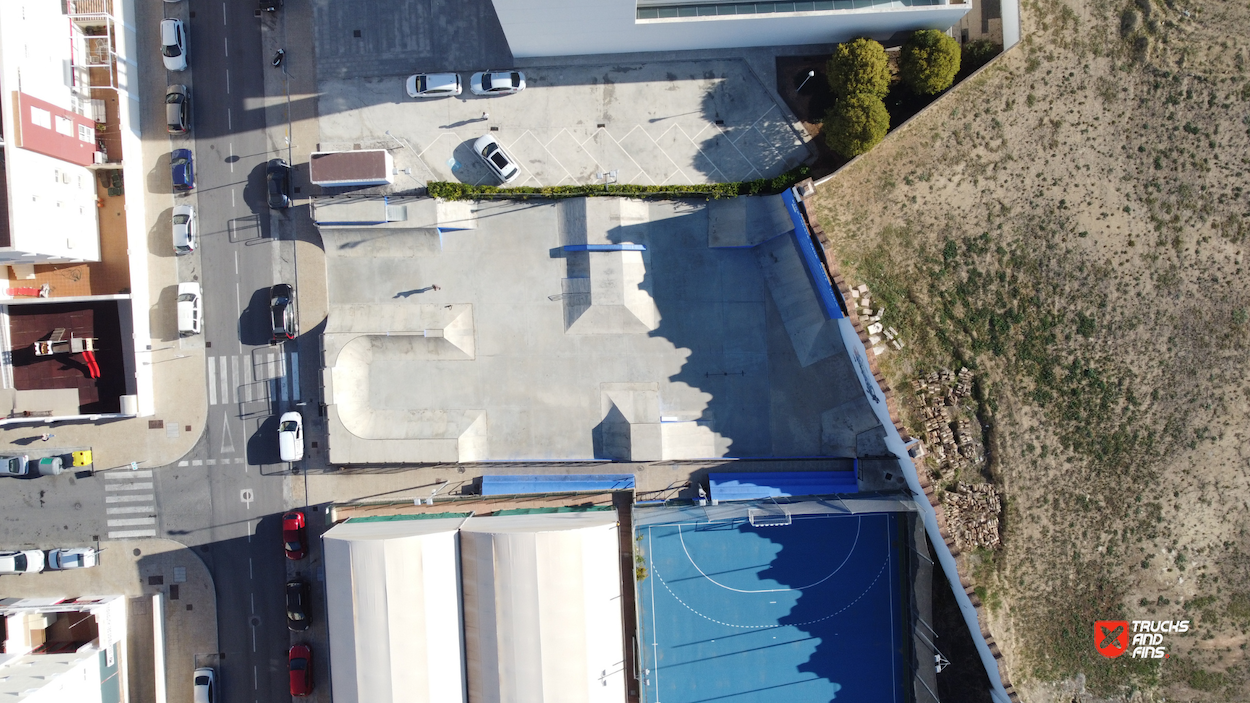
x,y
810,74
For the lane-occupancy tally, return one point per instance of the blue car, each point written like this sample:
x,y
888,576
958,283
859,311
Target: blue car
x,y
183,170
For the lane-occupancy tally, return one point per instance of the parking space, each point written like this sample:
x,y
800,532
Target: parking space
x,y
652,124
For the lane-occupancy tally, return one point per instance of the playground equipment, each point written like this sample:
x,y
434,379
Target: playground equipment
x,y
56,343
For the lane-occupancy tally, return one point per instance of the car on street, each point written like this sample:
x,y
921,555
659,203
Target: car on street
x,y
174,44
26,561
190,312
184,229
177,109
298,608
278,181
497,82
182,170
14,465
205,685
299,660
282,312
433,85
497,160
291,436
75,558
294,535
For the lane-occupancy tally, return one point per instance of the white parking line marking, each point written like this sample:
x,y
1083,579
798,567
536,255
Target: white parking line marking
x,y
132,521
126,534
131,510
146,473
129,499
137,486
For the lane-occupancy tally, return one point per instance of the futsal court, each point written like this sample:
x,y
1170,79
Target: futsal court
x,y
793,608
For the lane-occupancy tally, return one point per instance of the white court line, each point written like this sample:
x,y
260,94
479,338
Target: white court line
x,y
225,381
129,499
131,510
146,473
655,636
859,524
136,486
128,533
132,521
212,382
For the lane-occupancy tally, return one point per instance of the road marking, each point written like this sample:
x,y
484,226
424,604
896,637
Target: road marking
x,y
227,83
197,462
247,497
233,206
250,574
249,539
227,442
210,462
284,389
223,14
132,521
129,499
295,374
234,378
137,486
184,463
126,534
231,160
131,510
253,597
229,124
146,473
225,382
212,382
226,49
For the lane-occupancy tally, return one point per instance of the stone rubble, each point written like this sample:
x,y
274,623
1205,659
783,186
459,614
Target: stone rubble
x,y
953,440
972,515
872,318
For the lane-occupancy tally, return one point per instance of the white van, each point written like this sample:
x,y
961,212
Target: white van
x,y
190,312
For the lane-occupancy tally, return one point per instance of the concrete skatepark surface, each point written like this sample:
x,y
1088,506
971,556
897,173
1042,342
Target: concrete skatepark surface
x,y
531,352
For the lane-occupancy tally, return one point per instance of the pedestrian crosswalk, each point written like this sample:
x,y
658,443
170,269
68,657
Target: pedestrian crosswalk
x,y
130,504
257,377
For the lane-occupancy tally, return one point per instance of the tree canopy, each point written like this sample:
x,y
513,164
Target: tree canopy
x,y
859,67
929,61
856,124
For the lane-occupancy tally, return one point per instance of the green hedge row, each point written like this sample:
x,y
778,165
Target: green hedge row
x,y
763,186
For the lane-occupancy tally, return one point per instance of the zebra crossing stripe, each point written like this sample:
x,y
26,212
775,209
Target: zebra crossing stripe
x,y
126,534
116,475
212,382
131,509
137,486
132,521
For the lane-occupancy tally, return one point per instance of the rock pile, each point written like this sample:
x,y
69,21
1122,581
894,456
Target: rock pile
x,y
972,515
951,438
879,336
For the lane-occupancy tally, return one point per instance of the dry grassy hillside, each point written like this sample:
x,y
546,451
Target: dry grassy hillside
x,y
1072,224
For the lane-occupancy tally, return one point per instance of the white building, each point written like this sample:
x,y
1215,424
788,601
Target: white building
x,y
58,650
571,27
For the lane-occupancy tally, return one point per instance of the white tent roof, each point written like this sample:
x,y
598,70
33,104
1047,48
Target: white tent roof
x,y
542,608
394,611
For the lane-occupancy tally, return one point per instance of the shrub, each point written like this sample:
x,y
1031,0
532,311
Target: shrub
x,y
709,191
977,53
856,124
859,67
929,61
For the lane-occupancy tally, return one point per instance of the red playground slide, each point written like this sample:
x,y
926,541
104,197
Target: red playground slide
x,y
92,367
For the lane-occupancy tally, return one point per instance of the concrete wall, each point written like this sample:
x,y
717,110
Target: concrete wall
x,y
573,27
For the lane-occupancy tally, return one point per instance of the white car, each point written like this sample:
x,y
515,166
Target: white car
x,y
76,558
190,314
27,561
433,85
205,680
174,44
497,82
184,229
498,160
291,437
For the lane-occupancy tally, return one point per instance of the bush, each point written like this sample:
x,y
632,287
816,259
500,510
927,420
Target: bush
x,y
859,67
856,124
977,53
929,61
710,191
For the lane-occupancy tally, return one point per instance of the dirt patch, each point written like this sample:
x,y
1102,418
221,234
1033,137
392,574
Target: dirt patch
x,y
1071,225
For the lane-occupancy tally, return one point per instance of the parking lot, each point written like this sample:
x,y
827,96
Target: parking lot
x,y
651,123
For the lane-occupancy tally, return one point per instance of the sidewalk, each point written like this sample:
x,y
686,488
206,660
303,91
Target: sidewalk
x,y
137,570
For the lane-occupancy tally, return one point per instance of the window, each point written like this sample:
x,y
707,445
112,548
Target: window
x,y
84,134
65,125
41,117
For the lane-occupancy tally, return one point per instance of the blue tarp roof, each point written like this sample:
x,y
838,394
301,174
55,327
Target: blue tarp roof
x,y
555,483
753,486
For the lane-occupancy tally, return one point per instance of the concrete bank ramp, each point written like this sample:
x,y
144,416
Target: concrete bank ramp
x,y
746,221
814,336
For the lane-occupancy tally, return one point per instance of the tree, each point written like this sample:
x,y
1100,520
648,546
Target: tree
x,y
859,67
929,61
856,124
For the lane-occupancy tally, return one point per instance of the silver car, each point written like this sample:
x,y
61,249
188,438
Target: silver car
x,y
433,85
177,109
14,465
498,160
184,229
75,558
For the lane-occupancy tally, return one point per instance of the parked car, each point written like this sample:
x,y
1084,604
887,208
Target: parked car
x,y
298,608
174,44
184,229
294,535
497,160
291,436
433,85
177,109
497,82
75,558
205,683
282,312
182,169
14,465
190,314
26,561
278,181
299,660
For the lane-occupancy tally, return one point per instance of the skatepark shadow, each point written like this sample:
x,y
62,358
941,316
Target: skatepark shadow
x,y
254,321
262,445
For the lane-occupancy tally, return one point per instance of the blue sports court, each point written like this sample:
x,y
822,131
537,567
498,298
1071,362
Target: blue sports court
x,y
791,608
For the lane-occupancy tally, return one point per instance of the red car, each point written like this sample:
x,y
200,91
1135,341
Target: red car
x,y
300,662
294,539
